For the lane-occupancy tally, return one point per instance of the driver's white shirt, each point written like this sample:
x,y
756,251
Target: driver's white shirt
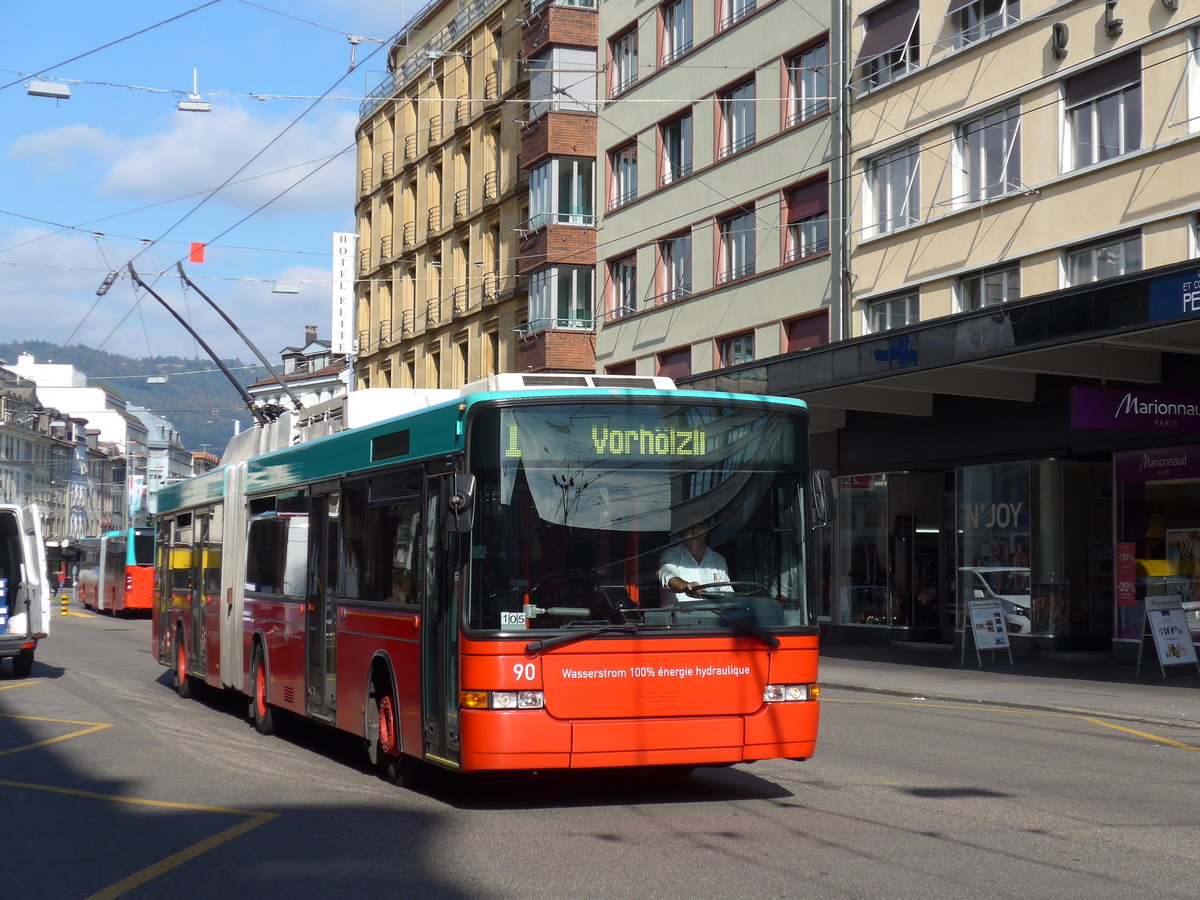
x,y
676,561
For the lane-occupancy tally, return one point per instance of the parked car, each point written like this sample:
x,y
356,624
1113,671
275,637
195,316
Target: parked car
x,y
1008,584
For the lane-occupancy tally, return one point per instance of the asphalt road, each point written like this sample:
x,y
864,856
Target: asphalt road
x,y
110,785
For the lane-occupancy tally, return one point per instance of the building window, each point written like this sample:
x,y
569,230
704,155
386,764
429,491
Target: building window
x,y
675,363
806,332
989,287
893,312
892,191
806,212
736,108
736,258
622,276
989,153
676,30
808,84
623,187
622,70
560,297
1193,81
674,268
562,78
733,11
891,46
737,349
676,149
561,192
1109,258
1103,112
974,20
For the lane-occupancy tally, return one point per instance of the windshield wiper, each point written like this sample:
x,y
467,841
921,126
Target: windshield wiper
x,y
535,647
753,630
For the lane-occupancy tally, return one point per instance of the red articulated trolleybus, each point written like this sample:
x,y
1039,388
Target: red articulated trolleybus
x,y
474,578
116,570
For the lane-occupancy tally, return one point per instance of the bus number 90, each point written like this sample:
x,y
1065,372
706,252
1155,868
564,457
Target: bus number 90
x,y
525,671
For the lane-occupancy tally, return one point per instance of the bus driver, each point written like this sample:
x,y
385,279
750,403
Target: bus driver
x,y
684,566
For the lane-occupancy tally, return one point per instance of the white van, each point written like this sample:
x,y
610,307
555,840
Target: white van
x,y
24,591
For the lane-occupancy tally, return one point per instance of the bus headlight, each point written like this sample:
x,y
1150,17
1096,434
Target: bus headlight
x,y
502,700
790,693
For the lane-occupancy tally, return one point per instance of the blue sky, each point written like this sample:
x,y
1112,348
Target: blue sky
x,y
116,173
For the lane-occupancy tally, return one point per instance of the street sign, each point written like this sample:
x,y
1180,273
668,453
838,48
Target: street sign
x,y
1168,627
985,622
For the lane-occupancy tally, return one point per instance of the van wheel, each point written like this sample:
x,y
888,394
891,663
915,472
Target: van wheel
x,y
183,682
23,664
260,708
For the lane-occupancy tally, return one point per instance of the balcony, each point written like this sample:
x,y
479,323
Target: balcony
x,y
433,219
460,301
491,186
385,247
462,109
364,181
389,163
462,203
435,129
410,146
491,86
364,260
408,234
433,311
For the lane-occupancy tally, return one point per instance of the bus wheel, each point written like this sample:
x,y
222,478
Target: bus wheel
x,y
260,709
23,664
183,682
383,733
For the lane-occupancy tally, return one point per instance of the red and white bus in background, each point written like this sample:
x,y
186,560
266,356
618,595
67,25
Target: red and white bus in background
x,y
471,579
116,570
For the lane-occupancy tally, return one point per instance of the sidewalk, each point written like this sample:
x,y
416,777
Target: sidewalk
x,y
1073,683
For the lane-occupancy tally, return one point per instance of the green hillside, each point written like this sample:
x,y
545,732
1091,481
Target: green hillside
x,y
196,397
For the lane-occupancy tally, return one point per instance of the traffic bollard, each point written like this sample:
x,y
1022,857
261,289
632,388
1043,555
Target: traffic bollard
x,y
65,598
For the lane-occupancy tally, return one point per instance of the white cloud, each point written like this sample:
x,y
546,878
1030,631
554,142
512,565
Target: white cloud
x,y
64,148
201,150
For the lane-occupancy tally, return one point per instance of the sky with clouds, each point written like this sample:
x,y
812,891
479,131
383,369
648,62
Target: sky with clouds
x,y
116,174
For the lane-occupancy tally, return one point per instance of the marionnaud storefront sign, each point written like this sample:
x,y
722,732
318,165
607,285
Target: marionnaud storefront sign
x,y
1120,409
1175,296
1157,465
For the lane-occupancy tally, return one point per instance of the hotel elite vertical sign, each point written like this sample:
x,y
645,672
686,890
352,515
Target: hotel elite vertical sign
x,y
345,246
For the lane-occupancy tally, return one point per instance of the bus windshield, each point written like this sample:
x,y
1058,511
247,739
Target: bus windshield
x,y
585,512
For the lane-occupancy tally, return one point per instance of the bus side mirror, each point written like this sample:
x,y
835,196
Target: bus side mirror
x,y
458,502
820,491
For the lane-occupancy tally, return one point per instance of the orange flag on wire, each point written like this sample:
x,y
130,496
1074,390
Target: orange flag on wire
x,y
197,252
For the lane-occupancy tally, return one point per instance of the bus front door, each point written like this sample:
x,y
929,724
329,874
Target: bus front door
x,y
320,697
439,633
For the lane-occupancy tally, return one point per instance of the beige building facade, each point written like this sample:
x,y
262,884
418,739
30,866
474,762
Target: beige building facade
x,y
1004,149
716,150
439,201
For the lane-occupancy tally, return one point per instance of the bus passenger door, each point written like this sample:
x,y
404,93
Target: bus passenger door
x,y
439,632
198,603
320,607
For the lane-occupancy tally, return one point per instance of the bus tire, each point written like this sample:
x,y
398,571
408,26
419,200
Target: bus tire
x,y
183,682
260,707
23,664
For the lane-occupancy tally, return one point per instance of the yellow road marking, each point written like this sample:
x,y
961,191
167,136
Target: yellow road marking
x,y
17,684
137,879
91,728
1022,712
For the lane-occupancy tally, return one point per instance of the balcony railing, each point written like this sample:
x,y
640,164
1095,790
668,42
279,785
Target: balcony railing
x,y
491,185
435,128
385,247
410,146
389,163
432,311
433,221
462,203
491,86
462,109
492,286
407,319
385,331
408,234
674,172
736,146
364,259
459,300
364,181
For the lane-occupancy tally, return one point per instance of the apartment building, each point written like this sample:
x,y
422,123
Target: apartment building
x,y
440,201
1016,395
717,148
